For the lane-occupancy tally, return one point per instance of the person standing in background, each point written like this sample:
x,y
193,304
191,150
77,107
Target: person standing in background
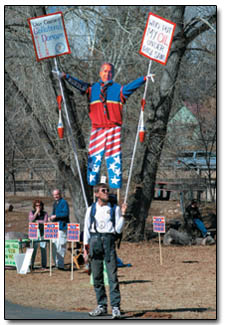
x,y
39,216
60,214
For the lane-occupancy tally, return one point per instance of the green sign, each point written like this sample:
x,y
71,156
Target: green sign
x,y
11,248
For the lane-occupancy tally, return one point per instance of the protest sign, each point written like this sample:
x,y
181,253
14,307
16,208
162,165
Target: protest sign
x,y
33,230
73,235
50,40
49,36
73,232
157,39
23,261
159,224
159,227
12,247
51,230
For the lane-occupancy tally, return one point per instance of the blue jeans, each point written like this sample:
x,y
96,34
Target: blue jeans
x,y
200,225
98,278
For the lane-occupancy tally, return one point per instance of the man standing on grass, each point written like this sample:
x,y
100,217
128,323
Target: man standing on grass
x,y
100,230
60,214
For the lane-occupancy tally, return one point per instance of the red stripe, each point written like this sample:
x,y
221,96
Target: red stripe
x,y
112,145
110,135
96,134
100,136
114,138
96,149
110,153
96,142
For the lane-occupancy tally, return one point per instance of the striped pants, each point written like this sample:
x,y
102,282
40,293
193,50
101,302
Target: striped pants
x,y
105,141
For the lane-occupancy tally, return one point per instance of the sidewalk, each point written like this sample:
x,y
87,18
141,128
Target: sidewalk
x,y
13,311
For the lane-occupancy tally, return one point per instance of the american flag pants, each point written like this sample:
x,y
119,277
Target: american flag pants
x,y
105,141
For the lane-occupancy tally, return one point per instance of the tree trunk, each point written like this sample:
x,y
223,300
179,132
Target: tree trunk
x,y
68,172
35,89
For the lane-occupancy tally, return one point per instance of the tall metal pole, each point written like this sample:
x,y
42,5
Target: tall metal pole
x,y
136,139
71,136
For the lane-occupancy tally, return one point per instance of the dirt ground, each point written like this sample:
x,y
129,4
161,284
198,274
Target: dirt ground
x,y
183,287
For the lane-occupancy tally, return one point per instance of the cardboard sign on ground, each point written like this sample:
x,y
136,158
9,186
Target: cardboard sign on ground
x,y
23,261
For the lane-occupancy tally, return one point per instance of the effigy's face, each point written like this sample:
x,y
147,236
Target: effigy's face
x,y
106,73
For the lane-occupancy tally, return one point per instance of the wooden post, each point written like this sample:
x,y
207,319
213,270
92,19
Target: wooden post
x,y
71,261
160,249
118,196
50,258
32,246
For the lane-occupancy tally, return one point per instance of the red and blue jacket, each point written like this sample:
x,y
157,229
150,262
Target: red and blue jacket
x,y
116,97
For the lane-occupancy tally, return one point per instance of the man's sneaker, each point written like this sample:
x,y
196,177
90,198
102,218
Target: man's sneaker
x,y
99,311
116,313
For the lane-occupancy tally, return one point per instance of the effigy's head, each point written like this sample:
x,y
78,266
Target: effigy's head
x,y
106,71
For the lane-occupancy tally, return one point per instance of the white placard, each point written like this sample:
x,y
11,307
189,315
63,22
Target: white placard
x,y
157,39
23,261
49,36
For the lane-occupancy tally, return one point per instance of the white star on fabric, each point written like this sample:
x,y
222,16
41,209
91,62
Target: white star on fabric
x,y
117,171
98,158
112,166
92,177
117,160
115,180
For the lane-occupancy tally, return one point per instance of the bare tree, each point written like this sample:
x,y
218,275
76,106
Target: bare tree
x,y
114,34
160,109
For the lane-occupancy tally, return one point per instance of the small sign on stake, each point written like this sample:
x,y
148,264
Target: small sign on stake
x,y
73,232
73,235
159,224
157,39
159,227
33,230
51,231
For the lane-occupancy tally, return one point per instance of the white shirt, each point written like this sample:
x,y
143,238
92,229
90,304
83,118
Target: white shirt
x,y
103,221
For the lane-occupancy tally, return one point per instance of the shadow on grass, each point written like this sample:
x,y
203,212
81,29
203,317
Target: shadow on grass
x,y
161,313
134,281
